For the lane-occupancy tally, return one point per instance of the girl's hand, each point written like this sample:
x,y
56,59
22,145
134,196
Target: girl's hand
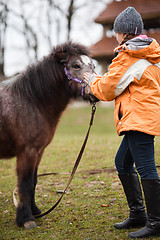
x,y
86,76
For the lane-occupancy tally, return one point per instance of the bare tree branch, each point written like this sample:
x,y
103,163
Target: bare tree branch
x,y
71,11
3,29
29,34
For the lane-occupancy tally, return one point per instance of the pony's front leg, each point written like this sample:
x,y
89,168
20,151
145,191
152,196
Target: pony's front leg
x,y
26,162
34,208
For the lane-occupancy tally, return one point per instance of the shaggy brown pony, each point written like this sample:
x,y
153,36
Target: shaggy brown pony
x,y
30,107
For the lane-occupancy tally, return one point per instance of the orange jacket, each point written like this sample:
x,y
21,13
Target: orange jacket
x,y
133,80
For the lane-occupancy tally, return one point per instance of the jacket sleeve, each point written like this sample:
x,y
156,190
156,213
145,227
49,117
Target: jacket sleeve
x,y
105,87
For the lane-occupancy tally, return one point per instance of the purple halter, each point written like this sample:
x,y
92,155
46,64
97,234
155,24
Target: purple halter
x,y
74,79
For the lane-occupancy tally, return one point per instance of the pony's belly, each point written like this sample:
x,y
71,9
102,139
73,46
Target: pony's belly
x,y
6,150
6,155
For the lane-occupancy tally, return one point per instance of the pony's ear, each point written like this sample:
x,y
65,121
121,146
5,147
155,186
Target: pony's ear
x,y
61,57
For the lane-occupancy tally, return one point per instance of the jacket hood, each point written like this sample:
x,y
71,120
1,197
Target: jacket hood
x,y
144,47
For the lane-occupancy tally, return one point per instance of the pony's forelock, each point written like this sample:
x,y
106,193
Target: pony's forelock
x,y
61,53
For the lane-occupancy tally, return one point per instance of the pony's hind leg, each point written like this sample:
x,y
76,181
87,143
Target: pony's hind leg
x,y
25,172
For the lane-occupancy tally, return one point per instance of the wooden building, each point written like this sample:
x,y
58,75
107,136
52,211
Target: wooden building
x,y
103,50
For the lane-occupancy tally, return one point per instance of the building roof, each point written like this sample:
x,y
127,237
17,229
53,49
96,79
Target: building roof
x,y
149,9
105,47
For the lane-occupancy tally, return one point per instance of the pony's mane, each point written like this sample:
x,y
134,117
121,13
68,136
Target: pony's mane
x,y
46,78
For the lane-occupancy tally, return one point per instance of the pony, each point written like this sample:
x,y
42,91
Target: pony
x,y
31,105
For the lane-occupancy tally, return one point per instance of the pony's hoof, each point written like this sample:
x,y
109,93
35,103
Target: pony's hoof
x,y
30,224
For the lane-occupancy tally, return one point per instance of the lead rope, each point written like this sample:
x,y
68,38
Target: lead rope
x,y
75,165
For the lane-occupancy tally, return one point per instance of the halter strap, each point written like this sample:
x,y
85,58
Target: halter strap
x,y
70,77
74,79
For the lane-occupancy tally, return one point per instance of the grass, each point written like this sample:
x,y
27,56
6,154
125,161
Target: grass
x,y
93,203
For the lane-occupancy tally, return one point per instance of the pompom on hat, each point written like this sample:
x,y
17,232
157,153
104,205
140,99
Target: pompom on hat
x,y
128,21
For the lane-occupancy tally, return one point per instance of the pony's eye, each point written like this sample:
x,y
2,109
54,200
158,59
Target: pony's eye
x,y
76,66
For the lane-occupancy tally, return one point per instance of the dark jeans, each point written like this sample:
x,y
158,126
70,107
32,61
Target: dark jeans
x,y
138,148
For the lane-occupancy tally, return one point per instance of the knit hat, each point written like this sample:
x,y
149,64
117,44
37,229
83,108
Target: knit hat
x,y
129,21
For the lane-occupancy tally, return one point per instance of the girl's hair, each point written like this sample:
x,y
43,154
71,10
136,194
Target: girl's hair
x,y
127,37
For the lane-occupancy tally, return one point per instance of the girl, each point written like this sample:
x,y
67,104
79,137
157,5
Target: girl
x,y
133,80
